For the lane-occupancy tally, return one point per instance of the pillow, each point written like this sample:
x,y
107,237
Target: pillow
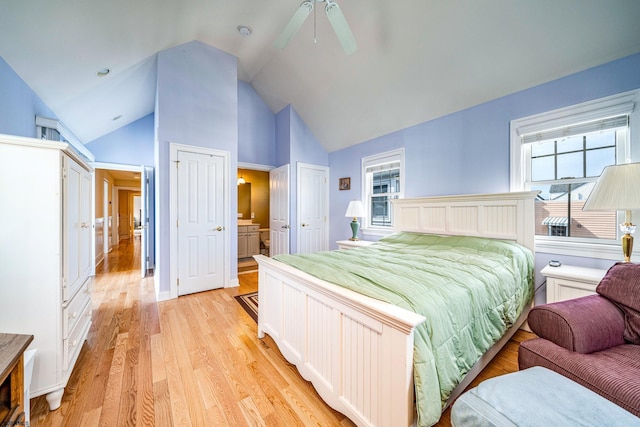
x,y
621,285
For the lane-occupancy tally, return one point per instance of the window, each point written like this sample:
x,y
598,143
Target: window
x,y
382,177
561,154
564,170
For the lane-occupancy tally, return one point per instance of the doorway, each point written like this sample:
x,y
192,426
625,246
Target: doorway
x,y
118,218
253,215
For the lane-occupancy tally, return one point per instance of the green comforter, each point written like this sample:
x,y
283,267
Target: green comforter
x,y
469,289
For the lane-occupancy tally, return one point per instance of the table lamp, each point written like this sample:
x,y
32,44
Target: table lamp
x,y
355,210
618,188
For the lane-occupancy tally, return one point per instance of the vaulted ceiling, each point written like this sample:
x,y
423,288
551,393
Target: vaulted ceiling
x,y
417,59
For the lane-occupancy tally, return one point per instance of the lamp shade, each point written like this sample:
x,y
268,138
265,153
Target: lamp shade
x,y
355,209
618,188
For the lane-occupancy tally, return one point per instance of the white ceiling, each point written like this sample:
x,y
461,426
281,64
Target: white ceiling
x,y
417,59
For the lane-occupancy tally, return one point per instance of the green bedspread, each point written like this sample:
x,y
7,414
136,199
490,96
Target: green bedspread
x,y
469,289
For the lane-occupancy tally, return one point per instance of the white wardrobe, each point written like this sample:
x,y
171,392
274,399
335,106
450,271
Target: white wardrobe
x,y
45,255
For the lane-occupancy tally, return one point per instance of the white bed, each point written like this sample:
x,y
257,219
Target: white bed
x,y
358,351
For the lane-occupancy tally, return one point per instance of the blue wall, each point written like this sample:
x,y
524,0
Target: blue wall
x,y
283,136
295,143
19,104
196,104
256,128
131,144
304,145
468,151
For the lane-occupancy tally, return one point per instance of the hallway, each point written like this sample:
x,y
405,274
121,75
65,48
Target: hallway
x,y
124,256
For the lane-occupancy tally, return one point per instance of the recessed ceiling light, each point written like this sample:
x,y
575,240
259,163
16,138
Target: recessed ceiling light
x,y
117,117
244,30
103,72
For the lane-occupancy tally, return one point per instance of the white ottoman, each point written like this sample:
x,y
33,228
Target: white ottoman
x,y
536,397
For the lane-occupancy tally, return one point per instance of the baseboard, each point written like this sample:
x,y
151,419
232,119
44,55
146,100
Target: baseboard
x,y
233,283
163,296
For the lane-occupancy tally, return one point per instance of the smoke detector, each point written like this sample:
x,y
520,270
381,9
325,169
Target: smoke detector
x,y
244,30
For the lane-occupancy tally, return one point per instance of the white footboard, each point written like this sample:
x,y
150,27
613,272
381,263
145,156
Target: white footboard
x,y
357,351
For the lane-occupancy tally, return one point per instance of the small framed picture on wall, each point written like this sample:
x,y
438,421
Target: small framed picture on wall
x,y
345,184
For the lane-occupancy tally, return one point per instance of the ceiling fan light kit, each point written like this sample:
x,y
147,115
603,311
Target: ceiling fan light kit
x,y
336,19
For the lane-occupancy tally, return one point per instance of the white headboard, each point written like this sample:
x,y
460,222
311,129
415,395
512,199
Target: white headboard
x,y
507,216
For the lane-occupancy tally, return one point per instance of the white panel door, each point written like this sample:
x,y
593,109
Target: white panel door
x,y
312,208
279,210
200,222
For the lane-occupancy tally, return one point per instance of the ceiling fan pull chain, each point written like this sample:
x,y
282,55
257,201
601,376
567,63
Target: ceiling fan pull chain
x,y
315,38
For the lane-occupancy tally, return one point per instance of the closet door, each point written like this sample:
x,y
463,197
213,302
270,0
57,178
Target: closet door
x,y
85,226
76,214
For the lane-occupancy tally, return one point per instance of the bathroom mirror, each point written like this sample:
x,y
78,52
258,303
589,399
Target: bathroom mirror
x,y
244,201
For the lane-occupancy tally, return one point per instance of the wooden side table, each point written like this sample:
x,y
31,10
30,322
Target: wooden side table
x,y
12,347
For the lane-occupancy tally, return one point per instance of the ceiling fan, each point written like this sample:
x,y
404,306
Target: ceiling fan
x,y
335,16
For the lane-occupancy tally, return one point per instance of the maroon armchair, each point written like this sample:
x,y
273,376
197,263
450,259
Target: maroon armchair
x,y
593,340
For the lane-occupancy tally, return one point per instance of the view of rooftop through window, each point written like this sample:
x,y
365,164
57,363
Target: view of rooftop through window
x,y
565,171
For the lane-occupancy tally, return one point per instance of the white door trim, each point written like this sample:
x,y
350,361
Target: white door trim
x,y
114,202
105,216
173,212
255,166
144,232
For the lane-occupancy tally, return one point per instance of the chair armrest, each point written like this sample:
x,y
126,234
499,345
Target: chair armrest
x,y
583,325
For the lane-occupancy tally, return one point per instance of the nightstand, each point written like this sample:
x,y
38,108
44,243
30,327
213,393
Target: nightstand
x,y
350,244
568,281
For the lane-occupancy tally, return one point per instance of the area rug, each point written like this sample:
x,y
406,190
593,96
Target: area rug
x,y
250,304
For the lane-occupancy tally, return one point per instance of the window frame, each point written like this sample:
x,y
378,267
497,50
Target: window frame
x,y
627,152
387,157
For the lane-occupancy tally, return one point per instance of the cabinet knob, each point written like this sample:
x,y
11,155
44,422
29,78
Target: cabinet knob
x,y
74,315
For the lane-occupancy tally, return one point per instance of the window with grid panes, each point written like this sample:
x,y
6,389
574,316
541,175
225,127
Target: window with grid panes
x,y
382,177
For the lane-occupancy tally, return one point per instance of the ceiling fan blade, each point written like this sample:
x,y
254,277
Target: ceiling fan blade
x,y
341,28
294,25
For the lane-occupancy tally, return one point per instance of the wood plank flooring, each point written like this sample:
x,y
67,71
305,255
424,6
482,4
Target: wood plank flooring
x,y
193,361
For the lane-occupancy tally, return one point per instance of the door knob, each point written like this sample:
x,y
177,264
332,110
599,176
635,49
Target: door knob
x,y
304,225
219,228
285,226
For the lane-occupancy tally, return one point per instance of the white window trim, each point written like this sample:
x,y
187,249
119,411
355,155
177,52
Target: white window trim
x,y
377,159
623,103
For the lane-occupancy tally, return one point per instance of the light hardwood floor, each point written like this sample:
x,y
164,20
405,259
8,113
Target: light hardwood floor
x,y
193,361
